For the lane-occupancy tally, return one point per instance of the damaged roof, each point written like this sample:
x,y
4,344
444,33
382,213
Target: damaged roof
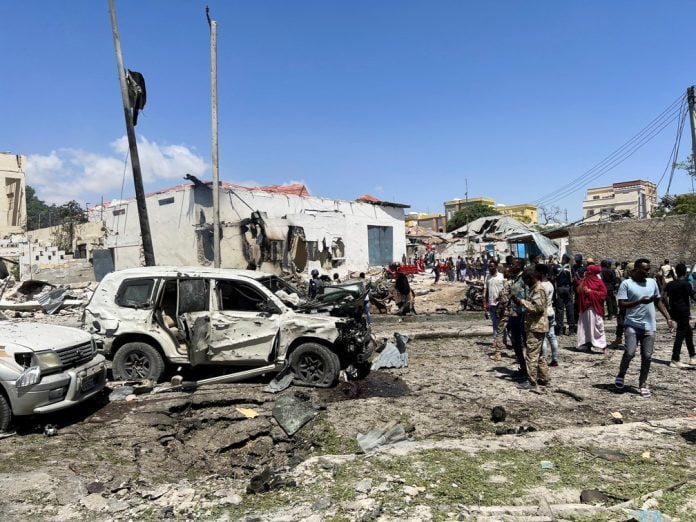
x,y
367,198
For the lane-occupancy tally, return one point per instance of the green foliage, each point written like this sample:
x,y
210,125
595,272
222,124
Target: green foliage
x,y
670,205
41,215
469,214
687,165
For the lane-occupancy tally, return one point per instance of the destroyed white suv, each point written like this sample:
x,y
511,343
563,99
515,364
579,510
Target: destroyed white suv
x,y
46,368
145,318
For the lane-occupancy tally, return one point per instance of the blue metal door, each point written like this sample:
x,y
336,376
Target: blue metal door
x,y
380,245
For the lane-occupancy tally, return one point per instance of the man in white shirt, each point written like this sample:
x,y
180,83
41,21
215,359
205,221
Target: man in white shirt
x,y
491,289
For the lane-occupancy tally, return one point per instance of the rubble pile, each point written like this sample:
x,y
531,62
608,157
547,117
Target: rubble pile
x,y
28,298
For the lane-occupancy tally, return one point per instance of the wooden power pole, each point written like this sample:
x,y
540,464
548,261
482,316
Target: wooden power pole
x,y
691,98
148,251
214,129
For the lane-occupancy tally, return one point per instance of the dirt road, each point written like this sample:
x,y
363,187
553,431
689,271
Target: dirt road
x,y
192,455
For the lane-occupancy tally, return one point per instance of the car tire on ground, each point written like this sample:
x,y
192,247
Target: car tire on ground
x,y
135,361
5,413
315,365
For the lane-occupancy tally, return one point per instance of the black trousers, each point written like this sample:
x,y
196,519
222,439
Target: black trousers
x,y
612,307
684,333
564,306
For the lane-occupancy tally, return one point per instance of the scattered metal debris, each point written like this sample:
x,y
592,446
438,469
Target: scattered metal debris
x,y
292,411
389,434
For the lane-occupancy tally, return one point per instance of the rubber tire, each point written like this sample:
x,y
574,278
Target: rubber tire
x,y
149,356
326,365
5,413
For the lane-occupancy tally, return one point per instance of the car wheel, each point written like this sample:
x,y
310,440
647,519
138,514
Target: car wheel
x,y
136,361
5,413
315,365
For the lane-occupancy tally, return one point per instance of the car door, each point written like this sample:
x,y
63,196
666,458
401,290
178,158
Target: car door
x,y
244,324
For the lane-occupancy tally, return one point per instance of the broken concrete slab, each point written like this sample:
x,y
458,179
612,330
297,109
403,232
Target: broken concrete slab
x,y
390,433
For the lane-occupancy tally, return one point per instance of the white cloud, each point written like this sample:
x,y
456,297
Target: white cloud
x,y
66,174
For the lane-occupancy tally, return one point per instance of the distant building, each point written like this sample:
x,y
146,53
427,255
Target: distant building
x,y
13,200
434,222
525,212
635,199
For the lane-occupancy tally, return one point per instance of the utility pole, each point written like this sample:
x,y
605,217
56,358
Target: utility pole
x,y
148,251
214,127
691,98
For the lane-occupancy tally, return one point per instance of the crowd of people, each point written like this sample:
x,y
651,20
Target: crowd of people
x,y
531,304
460,269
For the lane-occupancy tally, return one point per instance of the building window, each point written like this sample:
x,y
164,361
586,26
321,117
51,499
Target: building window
x,y
590,212
119,212
166,201
595,197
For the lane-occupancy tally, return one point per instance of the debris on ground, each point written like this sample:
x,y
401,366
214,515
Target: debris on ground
x,y
498,414
266,481
390,433
393,355
249,413
292,411
121,393
280,382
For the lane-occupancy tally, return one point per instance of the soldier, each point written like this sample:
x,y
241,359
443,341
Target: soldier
x,y
314,284
502,311
536,325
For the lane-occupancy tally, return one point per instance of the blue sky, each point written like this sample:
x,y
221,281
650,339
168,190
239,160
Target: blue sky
x,y
401,99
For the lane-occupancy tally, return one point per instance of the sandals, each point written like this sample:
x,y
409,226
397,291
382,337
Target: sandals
x,y
645,393
619,383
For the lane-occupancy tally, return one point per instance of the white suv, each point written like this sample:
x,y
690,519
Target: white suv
x,y
145,318
46,368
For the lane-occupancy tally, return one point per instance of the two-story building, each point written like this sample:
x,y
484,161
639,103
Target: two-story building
x,y
525,212
635,199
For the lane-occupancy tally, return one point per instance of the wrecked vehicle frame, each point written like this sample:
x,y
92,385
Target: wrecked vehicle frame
x,y
145,318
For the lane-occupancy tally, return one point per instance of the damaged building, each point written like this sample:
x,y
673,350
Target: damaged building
x,y
274,229
500,235
13,207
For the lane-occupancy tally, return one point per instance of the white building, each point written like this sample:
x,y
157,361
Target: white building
x,y
13,203
625,199
270,228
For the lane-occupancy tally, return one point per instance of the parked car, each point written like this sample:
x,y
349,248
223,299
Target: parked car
x,y
146,318
46,368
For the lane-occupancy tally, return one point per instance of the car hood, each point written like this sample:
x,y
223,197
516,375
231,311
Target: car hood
x,y
38,337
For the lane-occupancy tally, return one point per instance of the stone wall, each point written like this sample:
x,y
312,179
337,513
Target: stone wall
x,y
672,238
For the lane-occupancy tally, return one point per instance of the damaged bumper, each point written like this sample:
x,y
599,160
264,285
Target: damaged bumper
x,y
59,391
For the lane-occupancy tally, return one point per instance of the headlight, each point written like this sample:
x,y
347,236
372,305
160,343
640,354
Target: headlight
x,y
48,361
28,377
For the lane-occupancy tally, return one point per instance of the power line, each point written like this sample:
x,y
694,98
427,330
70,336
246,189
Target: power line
x,y
614,159
623,152
674,154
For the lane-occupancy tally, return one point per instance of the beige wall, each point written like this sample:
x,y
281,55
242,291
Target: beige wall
x,y
13,202
601,202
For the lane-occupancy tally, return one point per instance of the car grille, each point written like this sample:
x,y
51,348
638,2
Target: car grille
x,y
76,355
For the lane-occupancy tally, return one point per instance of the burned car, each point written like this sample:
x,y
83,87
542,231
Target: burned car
x,y
46,368
146,318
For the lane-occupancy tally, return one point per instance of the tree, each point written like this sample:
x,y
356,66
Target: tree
x,y
550,213
468,214
687,165
671,205
41,215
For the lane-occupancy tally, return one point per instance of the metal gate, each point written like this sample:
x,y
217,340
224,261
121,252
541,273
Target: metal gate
x,y
380,245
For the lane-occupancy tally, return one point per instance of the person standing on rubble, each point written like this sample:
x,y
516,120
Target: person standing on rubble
x,y
591,296
436,271
550,337
518,335
314,284
564,296
638,296
503,312
405,296
491,290
679,294
536,325
609,278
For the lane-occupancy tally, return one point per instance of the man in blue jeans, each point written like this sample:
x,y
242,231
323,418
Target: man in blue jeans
x,y
638,297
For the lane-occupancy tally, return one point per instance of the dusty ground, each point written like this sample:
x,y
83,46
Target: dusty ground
x,y
191,455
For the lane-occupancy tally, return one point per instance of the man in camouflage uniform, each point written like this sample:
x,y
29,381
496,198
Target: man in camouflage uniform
x,y
503,311
536,325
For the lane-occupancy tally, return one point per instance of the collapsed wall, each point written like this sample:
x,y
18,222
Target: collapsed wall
x,y
672,237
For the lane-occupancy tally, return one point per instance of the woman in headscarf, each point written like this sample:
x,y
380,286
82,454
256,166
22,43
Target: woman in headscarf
x,y
405,297
591,295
